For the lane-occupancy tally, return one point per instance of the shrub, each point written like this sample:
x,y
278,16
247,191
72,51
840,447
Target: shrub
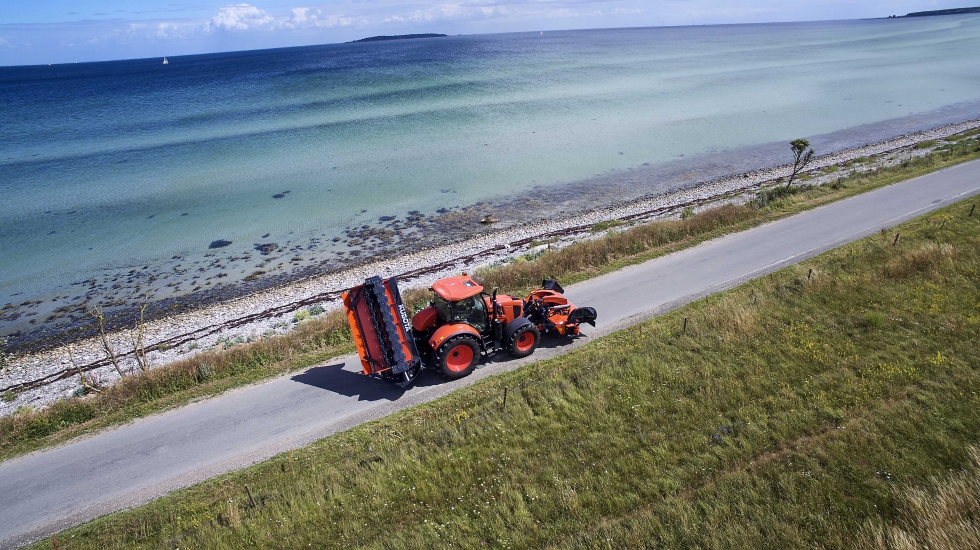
x,y
923,258
874,319
205,371
602,226
766,196
301,316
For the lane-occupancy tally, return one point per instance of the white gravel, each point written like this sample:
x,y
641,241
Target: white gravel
x,y
735,188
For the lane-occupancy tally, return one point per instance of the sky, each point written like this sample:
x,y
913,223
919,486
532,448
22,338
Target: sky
x,y
66,31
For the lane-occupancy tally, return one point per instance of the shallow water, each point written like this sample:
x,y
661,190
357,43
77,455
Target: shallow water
x,y
112,172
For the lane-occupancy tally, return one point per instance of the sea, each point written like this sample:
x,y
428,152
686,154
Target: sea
x,y
213,175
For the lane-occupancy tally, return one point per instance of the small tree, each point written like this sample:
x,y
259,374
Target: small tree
x,y
801,158
88,384
136,336
96,312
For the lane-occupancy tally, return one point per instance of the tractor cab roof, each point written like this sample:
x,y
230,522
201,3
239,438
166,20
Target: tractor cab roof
x,y
456,288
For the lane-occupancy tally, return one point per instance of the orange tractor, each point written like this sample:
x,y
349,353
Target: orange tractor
x,y
460,325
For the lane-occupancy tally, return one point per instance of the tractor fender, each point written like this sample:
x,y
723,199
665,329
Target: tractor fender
x,y
446,332
512,327
425,319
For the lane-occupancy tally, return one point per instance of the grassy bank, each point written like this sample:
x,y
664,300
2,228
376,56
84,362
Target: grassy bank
x,y
318,339
828,408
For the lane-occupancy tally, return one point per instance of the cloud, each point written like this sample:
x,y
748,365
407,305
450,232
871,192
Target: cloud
x,y
623,11
508,12
168,30
307,18
240,17
245,17
457,11
160,30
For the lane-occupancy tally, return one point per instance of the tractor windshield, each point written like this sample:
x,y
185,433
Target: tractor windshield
x,y
443,308
471,311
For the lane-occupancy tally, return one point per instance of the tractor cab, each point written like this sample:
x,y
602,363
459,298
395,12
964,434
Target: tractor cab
x,y
461,300
461,323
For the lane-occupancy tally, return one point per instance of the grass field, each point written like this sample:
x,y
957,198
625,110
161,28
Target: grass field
x,y
832,404
318,339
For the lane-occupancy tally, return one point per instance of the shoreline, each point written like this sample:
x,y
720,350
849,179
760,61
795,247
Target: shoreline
x,y
270,309
216,267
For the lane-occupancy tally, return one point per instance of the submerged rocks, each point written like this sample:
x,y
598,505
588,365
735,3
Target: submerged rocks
x,y
267,248
220,243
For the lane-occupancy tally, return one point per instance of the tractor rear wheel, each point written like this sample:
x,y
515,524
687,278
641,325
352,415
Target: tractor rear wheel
x,y
524,341
458,356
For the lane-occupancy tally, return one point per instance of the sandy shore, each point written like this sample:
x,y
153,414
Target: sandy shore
x,y
272,310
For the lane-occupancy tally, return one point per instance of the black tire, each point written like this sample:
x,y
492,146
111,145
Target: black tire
x,y
517,344
458,356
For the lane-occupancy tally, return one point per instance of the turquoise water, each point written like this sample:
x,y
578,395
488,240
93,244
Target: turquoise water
x,y
115,172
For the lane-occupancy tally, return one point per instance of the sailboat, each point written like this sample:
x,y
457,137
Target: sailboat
x,y
165,62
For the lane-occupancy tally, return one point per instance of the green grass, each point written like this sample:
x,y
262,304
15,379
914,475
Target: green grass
x,y
964,135
783,417
940,514
603,226
321,338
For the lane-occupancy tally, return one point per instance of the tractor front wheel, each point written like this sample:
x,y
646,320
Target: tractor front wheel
x,y
524,341
458,356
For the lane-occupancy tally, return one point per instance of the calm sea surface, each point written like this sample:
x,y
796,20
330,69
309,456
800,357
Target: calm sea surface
x,y
114,172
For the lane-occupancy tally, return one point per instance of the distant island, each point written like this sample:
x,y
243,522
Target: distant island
x,y
953,11
398,37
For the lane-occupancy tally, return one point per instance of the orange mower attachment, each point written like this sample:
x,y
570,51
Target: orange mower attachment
x,y
380,328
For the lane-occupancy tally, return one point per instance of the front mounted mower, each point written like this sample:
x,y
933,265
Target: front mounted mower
x,y
460,326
